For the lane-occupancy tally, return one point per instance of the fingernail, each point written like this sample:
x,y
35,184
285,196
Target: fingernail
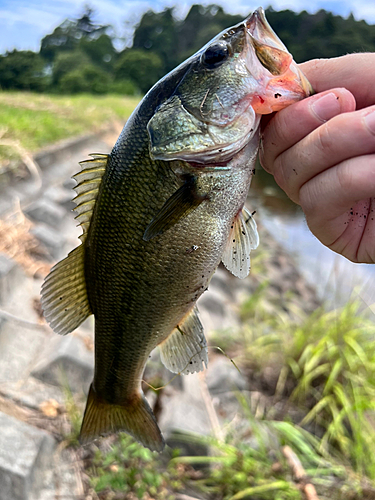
x,y
370,122
326,107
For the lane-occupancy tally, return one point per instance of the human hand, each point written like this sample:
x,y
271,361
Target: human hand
x,y
321,152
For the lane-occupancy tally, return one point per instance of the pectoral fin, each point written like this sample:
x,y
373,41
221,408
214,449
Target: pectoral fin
x,y
243,238
185,350
179,205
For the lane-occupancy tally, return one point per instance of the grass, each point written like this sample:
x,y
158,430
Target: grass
x,y
129,471
238,470
334,372
324,364
37,120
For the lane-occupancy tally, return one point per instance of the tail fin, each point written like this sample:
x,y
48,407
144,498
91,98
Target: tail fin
x,y
136,419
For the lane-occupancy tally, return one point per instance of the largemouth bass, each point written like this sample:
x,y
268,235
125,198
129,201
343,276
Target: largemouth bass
x,y
160,213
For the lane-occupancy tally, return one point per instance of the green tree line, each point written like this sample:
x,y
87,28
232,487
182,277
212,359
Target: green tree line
x,y
81,56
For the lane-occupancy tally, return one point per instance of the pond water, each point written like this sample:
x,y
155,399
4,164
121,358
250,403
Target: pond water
x,y
336,279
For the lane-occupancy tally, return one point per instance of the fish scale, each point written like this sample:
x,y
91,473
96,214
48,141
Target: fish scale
x,y
160,213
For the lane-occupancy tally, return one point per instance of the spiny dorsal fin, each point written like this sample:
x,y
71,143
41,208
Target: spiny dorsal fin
x,y
64,295
243,238
185,350
87,189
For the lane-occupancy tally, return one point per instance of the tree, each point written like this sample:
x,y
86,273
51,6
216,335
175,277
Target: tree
x,y
100,51
142,67
157,33
88,78
66,62
22,70
67,36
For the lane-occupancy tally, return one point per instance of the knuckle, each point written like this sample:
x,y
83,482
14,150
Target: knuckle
x,y
345,178
281,125
324,140
279,173
309,200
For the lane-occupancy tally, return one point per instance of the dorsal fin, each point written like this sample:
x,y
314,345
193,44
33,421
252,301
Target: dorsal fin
x,y
243,238
64,296
87,189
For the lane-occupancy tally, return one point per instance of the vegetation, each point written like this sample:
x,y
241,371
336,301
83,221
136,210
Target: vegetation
x,y
131,471
35,120
326,365
81,56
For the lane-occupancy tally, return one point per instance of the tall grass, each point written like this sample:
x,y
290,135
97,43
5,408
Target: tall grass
x,y
332,360
325,364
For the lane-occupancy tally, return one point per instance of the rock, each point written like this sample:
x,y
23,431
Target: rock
x,y
54,241
61,196
46,211
184,413
10,277
223,376
60,482
67,361
32,393
24,454
69,184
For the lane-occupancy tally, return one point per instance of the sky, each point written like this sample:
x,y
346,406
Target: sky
x,y
23,23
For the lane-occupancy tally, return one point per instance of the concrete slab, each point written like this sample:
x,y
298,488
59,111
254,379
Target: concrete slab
x,y
10,277
24,454
46,211
67,360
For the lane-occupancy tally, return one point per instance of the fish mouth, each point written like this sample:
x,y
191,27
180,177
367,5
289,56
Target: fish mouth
x,y
269,56
258,28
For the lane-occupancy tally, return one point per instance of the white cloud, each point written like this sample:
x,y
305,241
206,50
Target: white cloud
x,y
364,11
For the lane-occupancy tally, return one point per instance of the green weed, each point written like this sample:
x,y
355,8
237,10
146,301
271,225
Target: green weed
x,y
133,471
238,470
326,364
332,360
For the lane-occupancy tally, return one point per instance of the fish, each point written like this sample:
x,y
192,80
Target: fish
x,y
159,214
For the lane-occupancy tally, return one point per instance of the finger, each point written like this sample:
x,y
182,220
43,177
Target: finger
x,y
333,212
291,124
355,72
336,190
345,136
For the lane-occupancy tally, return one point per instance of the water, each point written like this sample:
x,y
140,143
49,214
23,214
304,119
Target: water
x,y
336,279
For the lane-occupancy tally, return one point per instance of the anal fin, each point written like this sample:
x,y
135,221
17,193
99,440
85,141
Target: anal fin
x,y
134,418
243,238
185,350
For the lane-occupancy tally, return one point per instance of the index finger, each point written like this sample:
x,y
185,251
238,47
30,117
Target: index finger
x,y
355,72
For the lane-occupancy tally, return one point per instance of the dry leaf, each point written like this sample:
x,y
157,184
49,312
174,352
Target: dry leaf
x,y
50,408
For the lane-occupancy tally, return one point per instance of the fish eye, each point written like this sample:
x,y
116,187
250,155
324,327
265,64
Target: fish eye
x,y
215,55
